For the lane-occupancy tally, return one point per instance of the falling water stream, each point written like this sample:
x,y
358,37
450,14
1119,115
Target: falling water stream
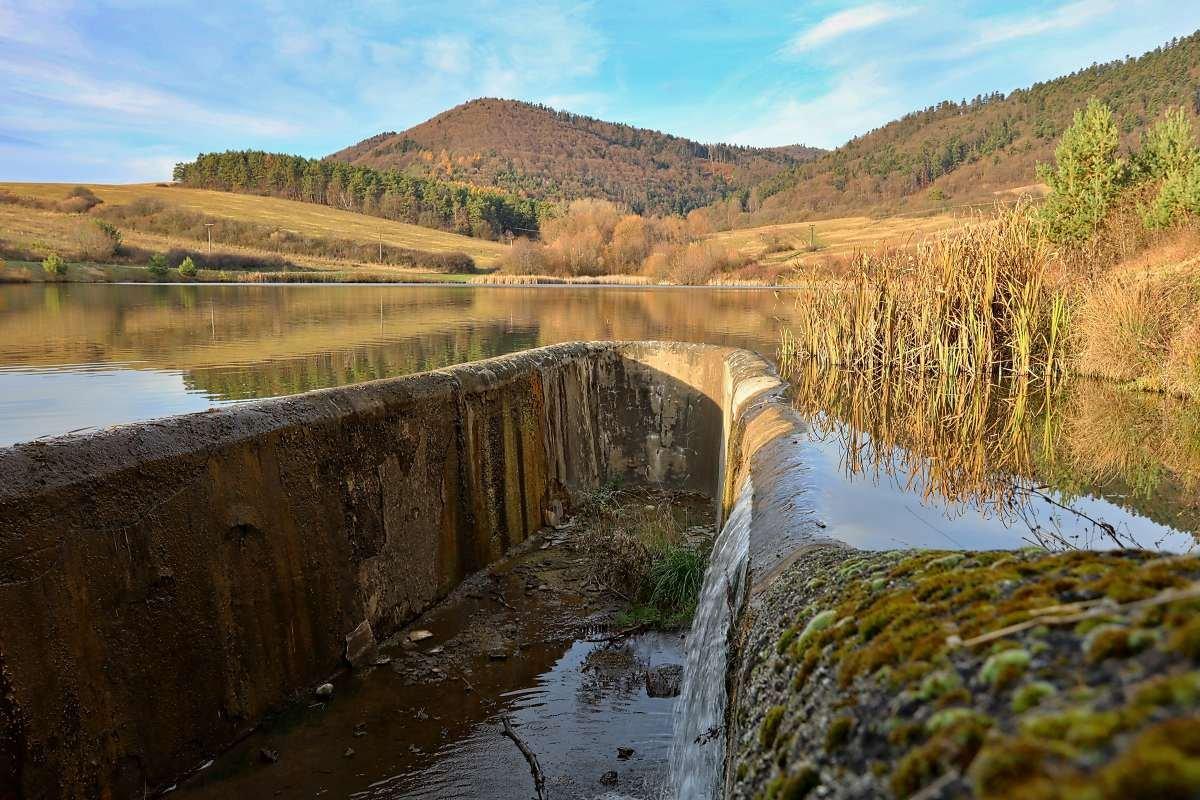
x,y
698,746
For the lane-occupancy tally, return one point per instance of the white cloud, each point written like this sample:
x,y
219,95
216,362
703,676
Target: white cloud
x,y
129,103
845,22
1071,15
860,99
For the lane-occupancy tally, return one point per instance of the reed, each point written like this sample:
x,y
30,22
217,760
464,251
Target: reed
x,y
978,301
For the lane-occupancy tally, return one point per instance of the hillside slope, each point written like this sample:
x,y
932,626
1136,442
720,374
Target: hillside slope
x,y
974,150
555,155
288,215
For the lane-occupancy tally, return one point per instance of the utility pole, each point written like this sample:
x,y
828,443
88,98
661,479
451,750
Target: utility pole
x,y
812,236
380,249
209,225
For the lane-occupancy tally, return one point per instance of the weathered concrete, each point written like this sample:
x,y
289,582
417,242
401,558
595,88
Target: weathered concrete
x,y
164,584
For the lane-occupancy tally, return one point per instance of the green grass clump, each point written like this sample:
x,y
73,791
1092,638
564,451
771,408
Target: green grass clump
x,y
796,785
838,733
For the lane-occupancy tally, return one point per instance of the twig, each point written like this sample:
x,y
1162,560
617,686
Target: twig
x,y
504,602
641,626
539,778
1162,598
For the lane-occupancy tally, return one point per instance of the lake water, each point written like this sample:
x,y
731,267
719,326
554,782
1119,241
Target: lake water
x,y
894,464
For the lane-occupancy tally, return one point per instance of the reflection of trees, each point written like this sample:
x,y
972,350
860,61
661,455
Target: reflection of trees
x,y
1010,447
194,327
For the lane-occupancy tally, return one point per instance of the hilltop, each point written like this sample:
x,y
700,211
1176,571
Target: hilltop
x,y
536,151
973,150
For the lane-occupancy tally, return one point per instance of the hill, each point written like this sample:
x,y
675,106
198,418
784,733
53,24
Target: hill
x,y
287,216
974,150
538,152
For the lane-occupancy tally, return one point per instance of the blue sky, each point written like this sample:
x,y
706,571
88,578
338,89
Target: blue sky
x,y
118,90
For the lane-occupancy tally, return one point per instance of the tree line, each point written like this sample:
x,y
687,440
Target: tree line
x,y
457,207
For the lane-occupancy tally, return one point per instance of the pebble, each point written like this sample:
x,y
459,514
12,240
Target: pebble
x,y
420,635
325,690
609,778
268,756
624,753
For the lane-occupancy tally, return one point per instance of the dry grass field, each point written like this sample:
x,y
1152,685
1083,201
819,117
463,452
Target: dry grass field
x,y
305,218
790,242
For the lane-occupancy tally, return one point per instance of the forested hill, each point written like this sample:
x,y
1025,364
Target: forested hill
x,y
457,207
552,155
974,150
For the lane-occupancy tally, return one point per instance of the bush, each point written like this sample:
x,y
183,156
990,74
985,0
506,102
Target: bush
x,y
54,265
78,201
157,265
94,242
524,257
187,268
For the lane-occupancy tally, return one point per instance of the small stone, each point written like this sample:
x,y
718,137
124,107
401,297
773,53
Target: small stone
x,y
349,753
268,756
325,690
420,635
497,655
609,778
624,753
360,646
664,681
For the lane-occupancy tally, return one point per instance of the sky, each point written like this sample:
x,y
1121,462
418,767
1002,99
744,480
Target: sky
x,y
120,90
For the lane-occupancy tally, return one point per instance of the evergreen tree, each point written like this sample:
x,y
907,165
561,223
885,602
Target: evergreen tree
x,y
1086,177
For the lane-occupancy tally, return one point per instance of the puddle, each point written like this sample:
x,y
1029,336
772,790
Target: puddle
x,y
531,639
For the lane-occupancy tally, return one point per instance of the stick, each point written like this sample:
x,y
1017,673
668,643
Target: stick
x,y
539,779
1163,597
620,634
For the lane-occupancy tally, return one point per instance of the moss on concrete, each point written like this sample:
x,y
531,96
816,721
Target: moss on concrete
x,y
987,674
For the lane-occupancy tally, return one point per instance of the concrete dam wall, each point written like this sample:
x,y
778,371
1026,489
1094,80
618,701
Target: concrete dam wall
x,y
166,583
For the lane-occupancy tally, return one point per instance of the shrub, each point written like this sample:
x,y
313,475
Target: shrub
x,y
54,265
524,257
94,242
157,265
187,268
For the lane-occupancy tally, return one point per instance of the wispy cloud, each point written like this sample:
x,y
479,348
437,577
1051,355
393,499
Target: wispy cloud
x,y
989,33
835,26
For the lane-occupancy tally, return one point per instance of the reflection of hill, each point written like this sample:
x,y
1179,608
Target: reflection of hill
x,y
979,442
234,342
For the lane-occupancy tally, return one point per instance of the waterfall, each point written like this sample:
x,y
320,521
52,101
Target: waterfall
x,y
698,749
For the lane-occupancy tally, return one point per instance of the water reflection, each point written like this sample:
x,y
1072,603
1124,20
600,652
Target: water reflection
x,y
67,350
922,461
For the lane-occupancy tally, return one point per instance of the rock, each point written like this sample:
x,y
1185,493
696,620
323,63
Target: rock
x,y
349,753
609,778
664,681
552,515
624,753
420,635
360,646
360,729
268,756
497,654
325,690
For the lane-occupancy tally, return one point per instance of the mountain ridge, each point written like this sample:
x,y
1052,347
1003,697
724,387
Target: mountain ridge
x,y
547,154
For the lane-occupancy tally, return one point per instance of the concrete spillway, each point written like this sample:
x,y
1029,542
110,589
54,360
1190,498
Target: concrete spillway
x,y
164,584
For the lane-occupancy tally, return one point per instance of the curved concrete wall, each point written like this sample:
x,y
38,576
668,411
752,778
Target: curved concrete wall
x,y
164,584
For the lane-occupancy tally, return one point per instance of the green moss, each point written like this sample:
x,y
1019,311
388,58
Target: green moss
x,y
1180,691
1031,695
785,640
815,626
1186,640
838,733
795,785
1107,641
1012,768
1081,727
770,726
1005,668
937,684
950,717
1163,763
